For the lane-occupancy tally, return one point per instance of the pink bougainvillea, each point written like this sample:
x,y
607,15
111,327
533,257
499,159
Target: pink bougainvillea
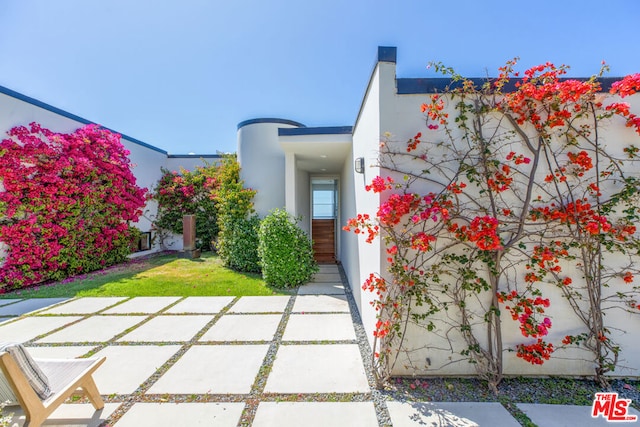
x,y
65,203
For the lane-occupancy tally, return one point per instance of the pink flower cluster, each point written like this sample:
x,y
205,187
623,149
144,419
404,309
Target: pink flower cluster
x,y
66,202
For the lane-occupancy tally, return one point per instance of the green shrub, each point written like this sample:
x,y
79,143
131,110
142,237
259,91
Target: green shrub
x,y
286,253
238,244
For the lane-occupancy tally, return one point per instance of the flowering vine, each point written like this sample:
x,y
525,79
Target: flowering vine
x,y
506,192
66,201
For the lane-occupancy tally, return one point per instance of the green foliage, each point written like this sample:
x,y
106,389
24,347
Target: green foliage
x,y
237,240
238,246
285,251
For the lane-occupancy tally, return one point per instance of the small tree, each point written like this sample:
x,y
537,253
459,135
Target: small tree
x,y
285,250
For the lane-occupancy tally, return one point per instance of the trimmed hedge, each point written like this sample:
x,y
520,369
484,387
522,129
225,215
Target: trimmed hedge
x,y
285,250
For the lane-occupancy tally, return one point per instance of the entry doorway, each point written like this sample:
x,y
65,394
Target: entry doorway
x,y
324,218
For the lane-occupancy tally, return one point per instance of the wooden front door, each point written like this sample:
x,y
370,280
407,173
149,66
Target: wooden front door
x,y
324,245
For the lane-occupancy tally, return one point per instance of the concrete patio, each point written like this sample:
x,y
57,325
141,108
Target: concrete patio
x,y
225,361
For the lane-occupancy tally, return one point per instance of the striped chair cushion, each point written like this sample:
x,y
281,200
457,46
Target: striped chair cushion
x,y
37,379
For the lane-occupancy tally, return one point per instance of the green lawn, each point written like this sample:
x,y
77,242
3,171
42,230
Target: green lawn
x,y
164,275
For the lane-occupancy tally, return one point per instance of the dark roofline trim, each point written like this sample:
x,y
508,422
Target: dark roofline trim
x,y
409,86
194,156
270,120
328,130
58,111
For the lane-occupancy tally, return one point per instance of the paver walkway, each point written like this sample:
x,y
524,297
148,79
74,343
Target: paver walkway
x,y
223,361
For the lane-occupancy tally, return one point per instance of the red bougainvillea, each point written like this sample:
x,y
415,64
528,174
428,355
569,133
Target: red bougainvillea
x,y
495,203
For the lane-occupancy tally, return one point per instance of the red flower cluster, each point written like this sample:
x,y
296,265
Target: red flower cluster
x,y
581,162
582,214
524,311
422,241
535,353
379,184
483,231
518,159
541,85
412,144
360,224
435,111
627,86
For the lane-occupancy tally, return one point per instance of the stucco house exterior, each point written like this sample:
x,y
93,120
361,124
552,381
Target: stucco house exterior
x,y
319,175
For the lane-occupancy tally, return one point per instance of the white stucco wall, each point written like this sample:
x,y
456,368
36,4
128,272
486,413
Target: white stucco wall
x,y
262,163
188,162
359,258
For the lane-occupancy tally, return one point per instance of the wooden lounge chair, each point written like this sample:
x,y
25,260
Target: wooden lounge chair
x,y
64,376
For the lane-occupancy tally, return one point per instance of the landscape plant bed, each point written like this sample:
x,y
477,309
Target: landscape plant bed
x,y
165,274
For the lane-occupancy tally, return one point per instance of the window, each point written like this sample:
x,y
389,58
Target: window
x,y
324,198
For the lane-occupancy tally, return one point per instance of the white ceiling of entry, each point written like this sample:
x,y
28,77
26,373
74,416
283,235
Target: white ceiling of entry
x,y
320,154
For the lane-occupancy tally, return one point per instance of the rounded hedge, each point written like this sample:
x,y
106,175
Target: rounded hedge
x,y
285,251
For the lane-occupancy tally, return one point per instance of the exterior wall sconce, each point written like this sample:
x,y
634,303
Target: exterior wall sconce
x,y
359,165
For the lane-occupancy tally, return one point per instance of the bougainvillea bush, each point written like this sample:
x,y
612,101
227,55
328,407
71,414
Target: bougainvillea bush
x,y
66,201
188,193
222,206
507,203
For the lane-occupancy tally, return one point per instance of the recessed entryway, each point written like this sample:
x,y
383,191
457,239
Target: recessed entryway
x,y
324,205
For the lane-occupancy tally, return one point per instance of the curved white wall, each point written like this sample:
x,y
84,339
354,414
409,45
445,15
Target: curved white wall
x,y
263,162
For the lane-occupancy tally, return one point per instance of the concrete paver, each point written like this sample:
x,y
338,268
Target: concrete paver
x,y
203,305
168,328
213,369
69,415
28,328
567,415
28,306
4,302
244,327
146,305
319,327
127,367
85,305
93,329
182,414
320,313
275,304
326,277
459,414
321,303
315,414
329,288
318,368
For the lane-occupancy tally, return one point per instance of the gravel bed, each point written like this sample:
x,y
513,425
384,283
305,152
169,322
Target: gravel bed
x,y
566,391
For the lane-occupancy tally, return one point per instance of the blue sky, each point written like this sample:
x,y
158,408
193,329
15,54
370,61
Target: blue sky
x,y
181,75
